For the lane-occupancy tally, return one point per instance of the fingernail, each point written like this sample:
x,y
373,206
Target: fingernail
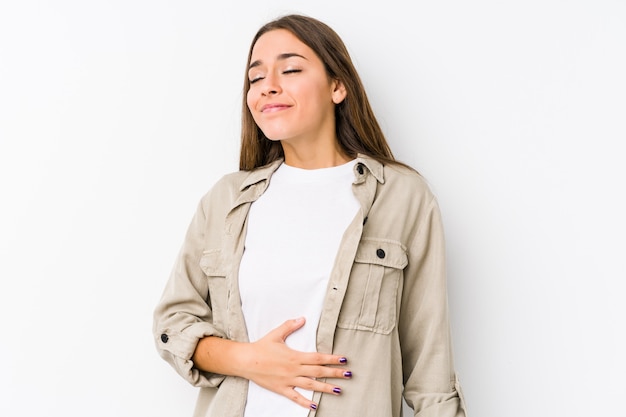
x,y
347,374
313,407
337,390
343,360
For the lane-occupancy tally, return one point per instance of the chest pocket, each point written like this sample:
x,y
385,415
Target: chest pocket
x,y
213,267
370,302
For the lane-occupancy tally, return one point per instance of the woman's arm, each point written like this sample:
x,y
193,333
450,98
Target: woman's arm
x,y
270,363
431,386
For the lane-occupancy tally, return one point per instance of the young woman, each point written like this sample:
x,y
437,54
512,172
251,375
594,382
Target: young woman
x,y
312,281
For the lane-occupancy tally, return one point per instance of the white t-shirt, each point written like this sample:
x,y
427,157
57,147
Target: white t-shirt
x,y
294,232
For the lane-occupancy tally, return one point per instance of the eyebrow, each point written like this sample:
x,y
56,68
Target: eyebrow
x,y
280,57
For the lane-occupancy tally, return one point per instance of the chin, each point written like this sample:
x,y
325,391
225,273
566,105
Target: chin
x,y
273,139
275,136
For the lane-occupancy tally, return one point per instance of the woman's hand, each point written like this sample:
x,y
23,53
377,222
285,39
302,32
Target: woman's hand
x,y
271,364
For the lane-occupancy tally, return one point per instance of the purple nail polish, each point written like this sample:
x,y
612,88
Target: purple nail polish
x,y
343,360
347,374
313,407
337,390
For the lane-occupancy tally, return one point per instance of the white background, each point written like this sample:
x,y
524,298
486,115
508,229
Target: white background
x,y
116,116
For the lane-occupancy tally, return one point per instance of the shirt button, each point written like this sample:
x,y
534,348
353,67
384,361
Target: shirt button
x,y
164,338
359,169
380,253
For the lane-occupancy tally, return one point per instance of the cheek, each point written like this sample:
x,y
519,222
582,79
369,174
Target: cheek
x,y
319,91
250,100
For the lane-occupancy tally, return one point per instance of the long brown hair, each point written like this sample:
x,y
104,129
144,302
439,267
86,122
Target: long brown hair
x,y
357,129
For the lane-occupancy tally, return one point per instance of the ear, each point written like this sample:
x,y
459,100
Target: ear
x,y
339,91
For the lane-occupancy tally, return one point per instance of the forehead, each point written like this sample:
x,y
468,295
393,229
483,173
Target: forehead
x,y
276,42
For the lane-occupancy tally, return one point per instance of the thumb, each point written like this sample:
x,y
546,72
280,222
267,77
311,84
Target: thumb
x,y
284,330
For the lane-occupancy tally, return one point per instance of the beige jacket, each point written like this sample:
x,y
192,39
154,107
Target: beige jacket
x,y
385,307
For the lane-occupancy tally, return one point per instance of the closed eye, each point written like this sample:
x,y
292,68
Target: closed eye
x,y
289,71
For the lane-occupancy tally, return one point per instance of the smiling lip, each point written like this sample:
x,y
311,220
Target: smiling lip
x,y
268,108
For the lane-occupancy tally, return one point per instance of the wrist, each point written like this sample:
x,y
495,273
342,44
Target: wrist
x,y
243,359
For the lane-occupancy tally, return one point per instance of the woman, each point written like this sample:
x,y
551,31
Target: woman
x,y
312,281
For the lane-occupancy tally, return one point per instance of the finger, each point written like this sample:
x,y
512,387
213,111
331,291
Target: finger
x,y
314,371
314,358
287,328
317,386
299,399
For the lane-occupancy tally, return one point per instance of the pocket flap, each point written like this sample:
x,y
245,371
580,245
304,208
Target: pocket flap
x,y
212,263
382,252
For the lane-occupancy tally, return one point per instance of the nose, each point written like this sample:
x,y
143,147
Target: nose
x,y
270,85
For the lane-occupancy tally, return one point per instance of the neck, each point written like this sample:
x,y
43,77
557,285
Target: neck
x,y
314,155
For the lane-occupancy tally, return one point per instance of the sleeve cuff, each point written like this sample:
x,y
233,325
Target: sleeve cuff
x,y
177,348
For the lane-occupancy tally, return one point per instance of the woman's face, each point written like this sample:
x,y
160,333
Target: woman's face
x,y
291,97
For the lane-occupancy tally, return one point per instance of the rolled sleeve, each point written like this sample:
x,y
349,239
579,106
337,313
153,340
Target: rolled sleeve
x,y
177,348
183,315
445,404
431,387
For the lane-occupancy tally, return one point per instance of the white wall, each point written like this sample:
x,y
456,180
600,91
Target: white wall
x,y
116,116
